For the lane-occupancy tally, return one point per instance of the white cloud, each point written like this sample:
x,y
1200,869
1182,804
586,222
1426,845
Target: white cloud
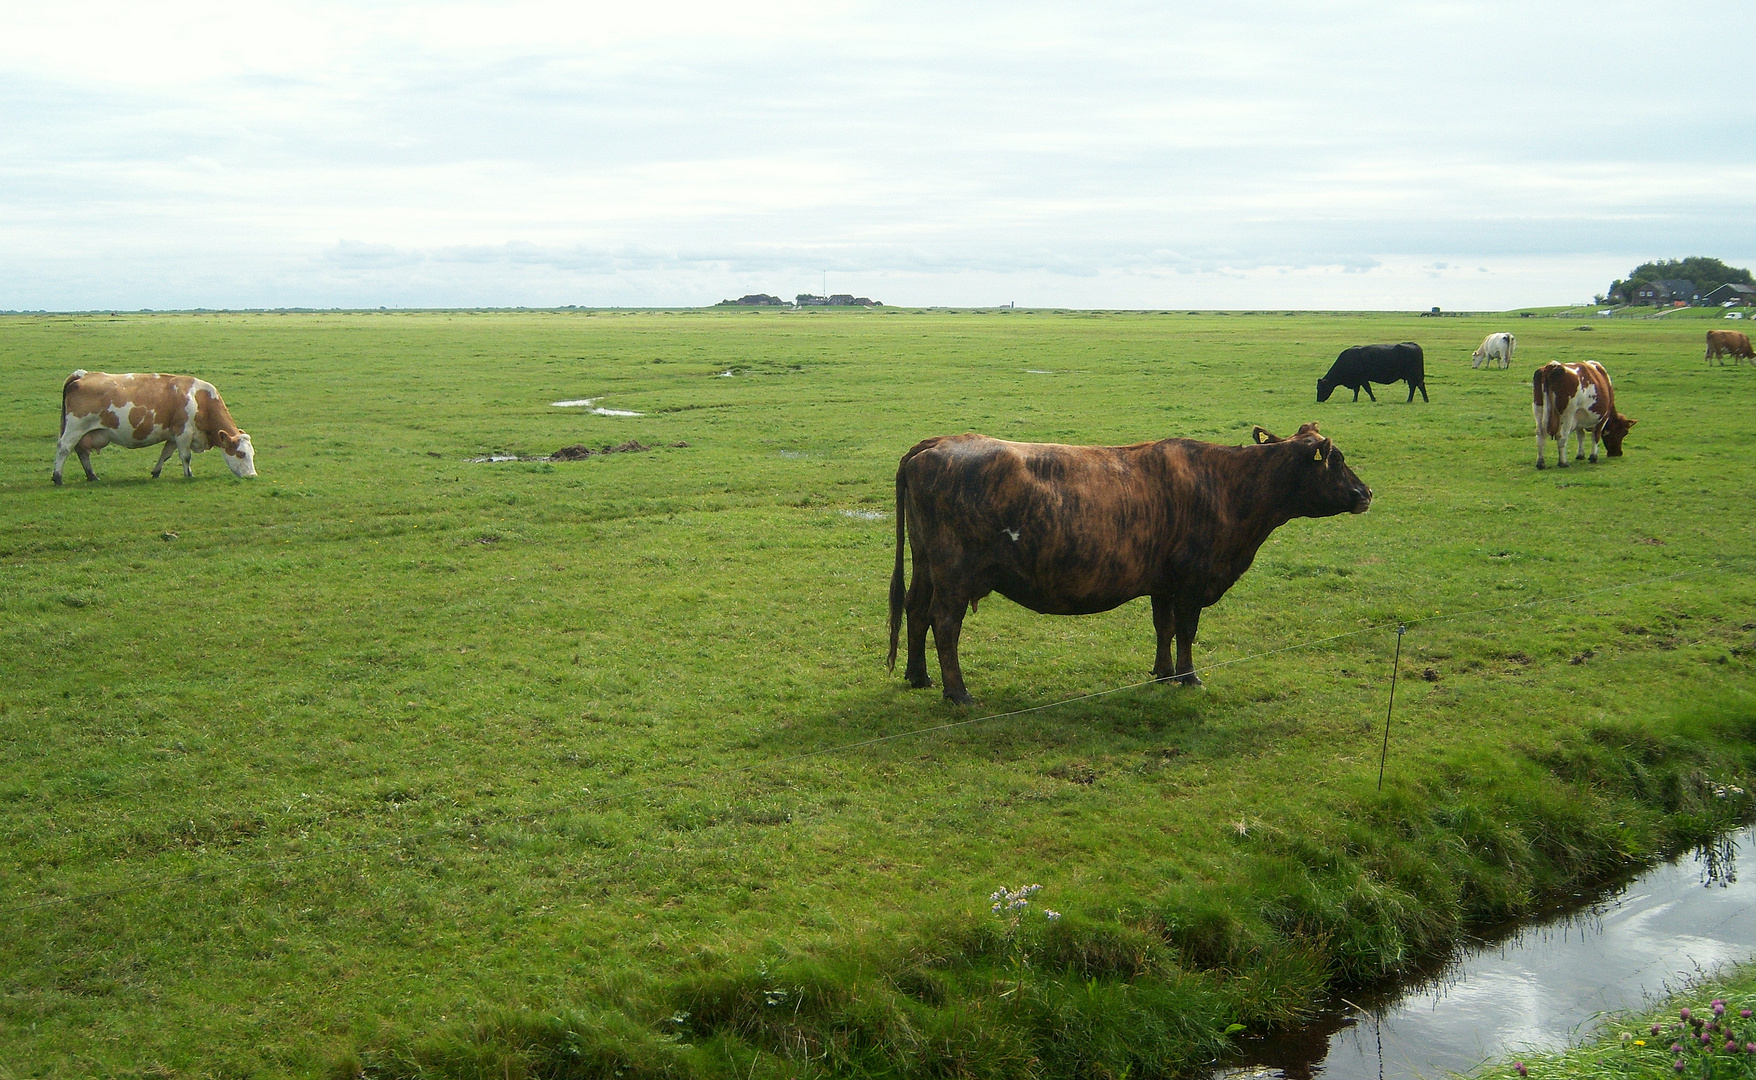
x,y
356,154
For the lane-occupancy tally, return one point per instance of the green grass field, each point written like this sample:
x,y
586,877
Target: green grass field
x,y
393,764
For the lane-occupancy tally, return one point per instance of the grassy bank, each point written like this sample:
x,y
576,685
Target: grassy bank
x,y
394,762
1663,1043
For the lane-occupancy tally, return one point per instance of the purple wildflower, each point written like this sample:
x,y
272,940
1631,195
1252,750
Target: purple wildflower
x,y
1706,1039
1677,1065
1684,1014
1719,1007
1731,1046
1750,1048
1676,1048
1655,1029
1522,1071
1745,1013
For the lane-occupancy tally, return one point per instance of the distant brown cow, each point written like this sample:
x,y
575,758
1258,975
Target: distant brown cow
x,y
1072,530
184,413
1733,343
1568,398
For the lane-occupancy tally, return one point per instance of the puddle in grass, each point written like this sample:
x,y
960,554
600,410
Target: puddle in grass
x,y
1542,985
588,403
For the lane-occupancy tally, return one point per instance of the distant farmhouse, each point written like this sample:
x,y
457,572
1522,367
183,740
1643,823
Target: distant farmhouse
x,y
1694,281
1666,292
803,300
838,300
1730,293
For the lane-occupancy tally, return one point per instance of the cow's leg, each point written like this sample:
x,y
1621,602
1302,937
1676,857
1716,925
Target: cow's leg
x,y
947,628
1561,447
1542,440
1369,393
164,456
1596,436
1580,433
1164,624
62,449
85,460
1188,617
918,603
1425,400
185,453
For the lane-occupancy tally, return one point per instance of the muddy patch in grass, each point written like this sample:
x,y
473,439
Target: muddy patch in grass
x,y
577,452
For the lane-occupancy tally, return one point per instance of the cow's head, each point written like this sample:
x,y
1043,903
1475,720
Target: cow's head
x,y
1323,484
1615,428
1324,389
240,455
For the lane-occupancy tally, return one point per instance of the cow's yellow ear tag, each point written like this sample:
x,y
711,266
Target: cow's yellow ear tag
x,y
1317,455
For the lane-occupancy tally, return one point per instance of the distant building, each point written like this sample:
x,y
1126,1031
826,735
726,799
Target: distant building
x,y
837,300
1667,292
1731,293
754,300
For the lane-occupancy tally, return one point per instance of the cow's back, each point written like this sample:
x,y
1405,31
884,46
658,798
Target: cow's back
x,y
1059,529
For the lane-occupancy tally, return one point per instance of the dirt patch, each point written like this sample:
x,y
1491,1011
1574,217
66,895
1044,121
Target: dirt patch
x,y
577,452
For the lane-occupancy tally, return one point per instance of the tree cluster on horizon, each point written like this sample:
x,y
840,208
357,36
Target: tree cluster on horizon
x,y
1707,274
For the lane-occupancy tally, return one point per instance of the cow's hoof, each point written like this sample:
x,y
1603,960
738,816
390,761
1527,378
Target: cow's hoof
x,y
1592,459
919,682
1190,679
1540,464
961,698
57,480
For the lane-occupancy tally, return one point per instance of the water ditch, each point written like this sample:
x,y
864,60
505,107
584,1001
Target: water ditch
x,y
1540,984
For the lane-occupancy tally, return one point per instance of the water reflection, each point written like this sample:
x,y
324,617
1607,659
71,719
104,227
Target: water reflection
x,y
1537,985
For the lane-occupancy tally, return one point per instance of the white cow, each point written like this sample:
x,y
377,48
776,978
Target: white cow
x,y
1495,347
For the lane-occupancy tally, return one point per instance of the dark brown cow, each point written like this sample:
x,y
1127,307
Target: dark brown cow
x,y
1569,398
183,412
1071,530
1733,343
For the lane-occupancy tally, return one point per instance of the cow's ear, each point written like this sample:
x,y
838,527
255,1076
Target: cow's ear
x,y
1308,429
1630,422
1263,435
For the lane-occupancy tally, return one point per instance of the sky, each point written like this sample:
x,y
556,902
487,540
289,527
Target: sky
x,y
1247,155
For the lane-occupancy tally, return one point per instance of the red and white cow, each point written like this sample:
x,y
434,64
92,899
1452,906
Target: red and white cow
x,y
1569,398
1494,347
184,413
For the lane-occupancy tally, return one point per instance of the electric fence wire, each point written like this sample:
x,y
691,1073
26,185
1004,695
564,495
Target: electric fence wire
x,y
601,800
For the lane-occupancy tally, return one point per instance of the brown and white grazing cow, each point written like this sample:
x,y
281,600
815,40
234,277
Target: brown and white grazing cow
x,y
184,413
1072,530
1569,398
1494,347
1732,343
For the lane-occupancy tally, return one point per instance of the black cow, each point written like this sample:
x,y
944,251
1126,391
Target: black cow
x,y
1072,530
1361,366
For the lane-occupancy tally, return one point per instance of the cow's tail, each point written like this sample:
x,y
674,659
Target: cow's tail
x,y
67,388
1548,417
897,590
